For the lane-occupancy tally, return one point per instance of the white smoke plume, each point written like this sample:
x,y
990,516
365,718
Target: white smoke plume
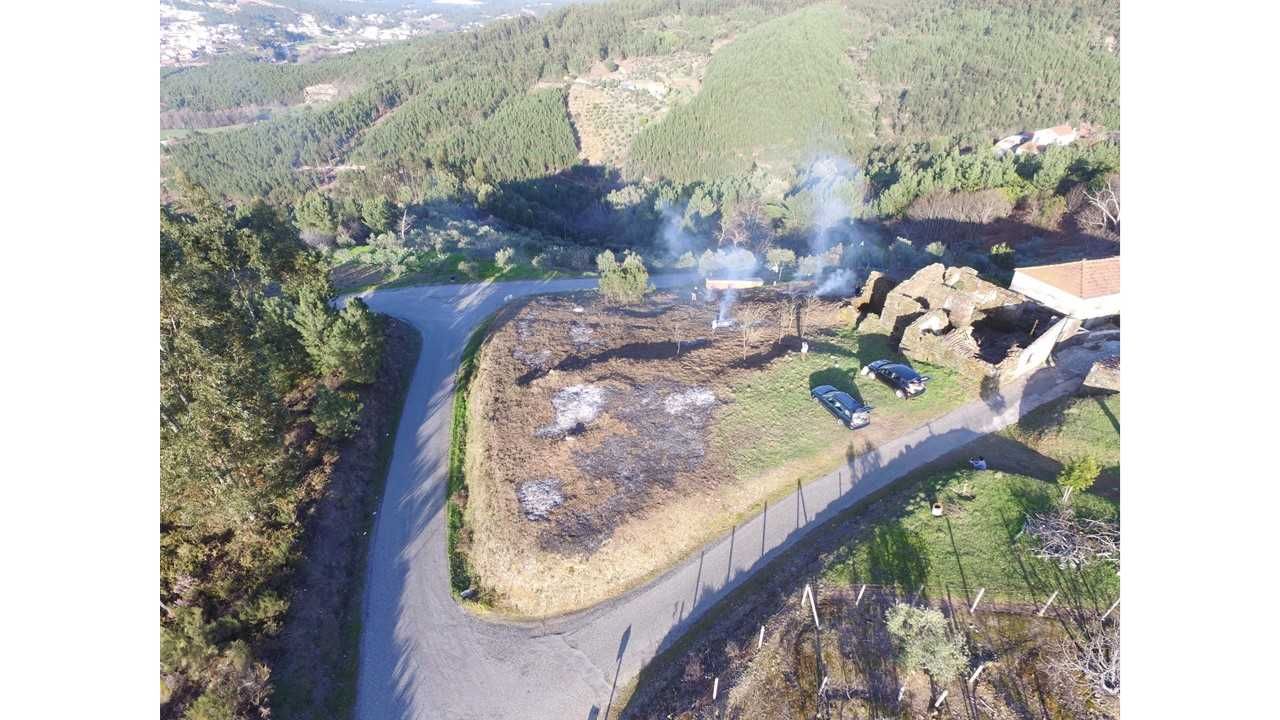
x,y
732,264
832,183
675,236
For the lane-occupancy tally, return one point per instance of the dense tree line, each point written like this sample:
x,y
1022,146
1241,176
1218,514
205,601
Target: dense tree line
x,y
984,69
900,176
529,136
253,363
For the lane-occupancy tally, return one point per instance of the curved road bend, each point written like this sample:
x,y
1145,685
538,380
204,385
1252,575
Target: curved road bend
x,y
422,656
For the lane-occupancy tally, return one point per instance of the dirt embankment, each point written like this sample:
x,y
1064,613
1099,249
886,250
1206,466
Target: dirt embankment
x,y
590,463
315,660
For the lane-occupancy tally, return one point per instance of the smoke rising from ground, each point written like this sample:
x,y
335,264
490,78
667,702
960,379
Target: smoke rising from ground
x,y
833,184
731,264
675,238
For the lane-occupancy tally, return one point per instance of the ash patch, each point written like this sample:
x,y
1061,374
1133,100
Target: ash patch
x,y
683,403
581,336
576,406
665,435
525,351
539,497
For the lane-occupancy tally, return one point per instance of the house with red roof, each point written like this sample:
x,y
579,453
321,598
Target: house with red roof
x,y
1081,289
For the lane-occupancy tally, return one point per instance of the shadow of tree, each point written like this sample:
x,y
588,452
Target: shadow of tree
x,y
894,556
838,379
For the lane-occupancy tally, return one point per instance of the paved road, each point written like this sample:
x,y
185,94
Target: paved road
x,y
422,656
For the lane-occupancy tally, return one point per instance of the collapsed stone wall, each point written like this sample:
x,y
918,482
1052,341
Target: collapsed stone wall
x,y
951,317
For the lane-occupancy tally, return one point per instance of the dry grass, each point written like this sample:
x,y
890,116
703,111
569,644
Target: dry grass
x,y
653,475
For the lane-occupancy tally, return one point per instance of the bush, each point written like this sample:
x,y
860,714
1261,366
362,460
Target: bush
x,y
625,282
1078,474
686,261
1002,255
936,249
503,258
925,644
336,414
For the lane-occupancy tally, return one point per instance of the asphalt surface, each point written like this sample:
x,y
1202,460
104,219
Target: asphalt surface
x,y
423,656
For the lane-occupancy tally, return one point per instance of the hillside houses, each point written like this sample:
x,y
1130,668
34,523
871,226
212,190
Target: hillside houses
x,y
1034,142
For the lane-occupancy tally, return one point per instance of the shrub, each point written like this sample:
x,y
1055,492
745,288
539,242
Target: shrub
x,y
336,414
625,282
925,645
467,268
686,261
1078,474
936,249
503,257
1002,255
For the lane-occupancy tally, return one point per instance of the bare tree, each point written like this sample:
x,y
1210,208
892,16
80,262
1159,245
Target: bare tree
x,y
1106,204
747,226
676,323
1095,658
750,319
1072,542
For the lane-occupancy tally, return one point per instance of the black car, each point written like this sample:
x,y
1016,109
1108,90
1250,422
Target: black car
x,y
904,380
848,411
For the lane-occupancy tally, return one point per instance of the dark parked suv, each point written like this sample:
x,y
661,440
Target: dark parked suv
x,y
848,411
904,380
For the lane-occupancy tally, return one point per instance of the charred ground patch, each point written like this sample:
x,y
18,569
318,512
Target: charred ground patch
x,y
608,442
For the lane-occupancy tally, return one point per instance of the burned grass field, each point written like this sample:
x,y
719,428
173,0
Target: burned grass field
x,y
605,442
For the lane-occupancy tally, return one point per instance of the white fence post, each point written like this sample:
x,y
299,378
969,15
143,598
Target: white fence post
x,y
974,608
941,697
855,602
1047,604
1114,605
808,593
974,677
760,642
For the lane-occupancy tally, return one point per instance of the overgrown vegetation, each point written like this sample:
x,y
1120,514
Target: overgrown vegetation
x,y
248,341
460,577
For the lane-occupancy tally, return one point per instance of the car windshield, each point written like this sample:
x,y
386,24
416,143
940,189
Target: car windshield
x,y
903,372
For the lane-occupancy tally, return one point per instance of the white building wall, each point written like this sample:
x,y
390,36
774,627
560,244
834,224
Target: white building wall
x,y
1065,302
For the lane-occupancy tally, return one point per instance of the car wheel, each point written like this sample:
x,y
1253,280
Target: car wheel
x,y
900,394
865,371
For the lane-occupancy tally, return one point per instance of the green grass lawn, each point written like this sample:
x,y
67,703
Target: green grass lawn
x,y
774,421
974,544
1073,426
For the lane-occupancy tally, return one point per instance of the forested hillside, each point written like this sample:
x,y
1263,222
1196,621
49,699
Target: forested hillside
x,y
258,379
987,69
776,93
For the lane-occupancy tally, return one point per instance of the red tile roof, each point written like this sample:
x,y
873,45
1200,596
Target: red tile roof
x,y
1082,278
